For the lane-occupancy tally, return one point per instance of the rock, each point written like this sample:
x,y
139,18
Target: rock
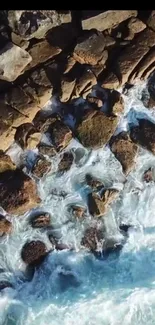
x,y
60,135
90,48
66,162
143,66
41,167
95,131
95,102
84,84
149,175
110,41
135,25
34,252
150,21
98,204
26,136
107,19
35,23
144,135
13,60
92,239
44,122
70,64
42,85
6,163
124,150
5,225
93,182
56,245
77,211
17,40
46,150
18,192
41,52
116,103
67,88
5,284
110,81
41,221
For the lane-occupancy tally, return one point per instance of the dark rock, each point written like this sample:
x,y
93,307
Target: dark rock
x,y
124,228
92,239
95,102
144,135
93,182
34,252
66,162
58,246
27,136
43,122
41,221
60,134
46,150
98,204
41,167
149,175
6,163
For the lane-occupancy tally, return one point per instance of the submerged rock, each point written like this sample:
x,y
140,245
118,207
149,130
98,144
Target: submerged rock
x,y
41,167
98,204
41,221
93,182
77,211
5,225
144,134
34,252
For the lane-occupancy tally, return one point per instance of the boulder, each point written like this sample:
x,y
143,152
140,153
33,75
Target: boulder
x,y
67,87
27,136
77,211
13,60
56,244
95,131
92,239
5,225
90,48
94,101
46,150
60,135
115,102
93,182
135,25
107,19
41,220
43,122
6,163
18,192
41,167
34,252
98,204
84,84
124,150
17,40
65,162
144,134
143,67
150,22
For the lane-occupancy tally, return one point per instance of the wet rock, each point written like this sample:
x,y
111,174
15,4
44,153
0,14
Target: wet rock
x,y
13,60
43,122
66,162
84,84
67,87
46,150
56,244
60,135
144,135
95,102
41,52
124,150
107,19
98,204
95,131
5,225
92,239
35,23
6,163
90,48
41,221
93,182
77,211
27,136
34,252
41,167
116,102
149,175
5,284
18,192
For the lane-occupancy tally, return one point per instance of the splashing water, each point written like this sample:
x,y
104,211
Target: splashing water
x,y
115,291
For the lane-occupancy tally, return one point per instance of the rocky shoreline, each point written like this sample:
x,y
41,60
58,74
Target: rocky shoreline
x,y
80,59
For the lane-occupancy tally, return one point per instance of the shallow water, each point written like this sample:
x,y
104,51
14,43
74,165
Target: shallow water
x,y
114,291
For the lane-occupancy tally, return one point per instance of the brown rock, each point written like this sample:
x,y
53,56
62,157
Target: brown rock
x,y
124,150
98,204
149,175
135,25
5,225
96,131
90,48
41,221
43,122
92,239
93,182
95,102
26,136
6,163
67,88
107,19
110,82
116,103
46,150
18,192
150,21
60,134
56,245
143,66
41,52
144,135
34,252
78,211
17,40
66,162
84,84
41,167
13,60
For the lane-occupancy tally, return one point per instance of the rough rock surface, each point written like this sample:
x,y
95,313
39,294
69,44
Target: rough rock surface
x,y
27,136
18,192
95,131
5,225
144,134
41,221
77,211
151,20
98,204
149,175
124,150
34,252
65,162
60,135
46,150
67,87
41,167
6,163
93,182
13,60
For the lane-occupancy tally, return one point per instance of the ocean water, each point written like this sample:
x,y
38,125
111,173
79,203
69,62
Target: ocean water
x,y
117,290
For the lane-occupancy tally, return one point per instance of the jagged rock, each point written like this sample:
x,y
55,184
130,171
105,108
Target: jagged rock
x,y
41,167
66,162
77,211
41,221
41,52
5,225
135,25
13,60
149,175
67,87
6,163
18,192
98,204
143,66
144,134
46,150
90,48
17,40
95,131
43,122
116,102
34,252
5,284
93,182
95,102
107,19
26,136
111,81
151,20
124,150
35,23
60,134
84,84
42,85
92,239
